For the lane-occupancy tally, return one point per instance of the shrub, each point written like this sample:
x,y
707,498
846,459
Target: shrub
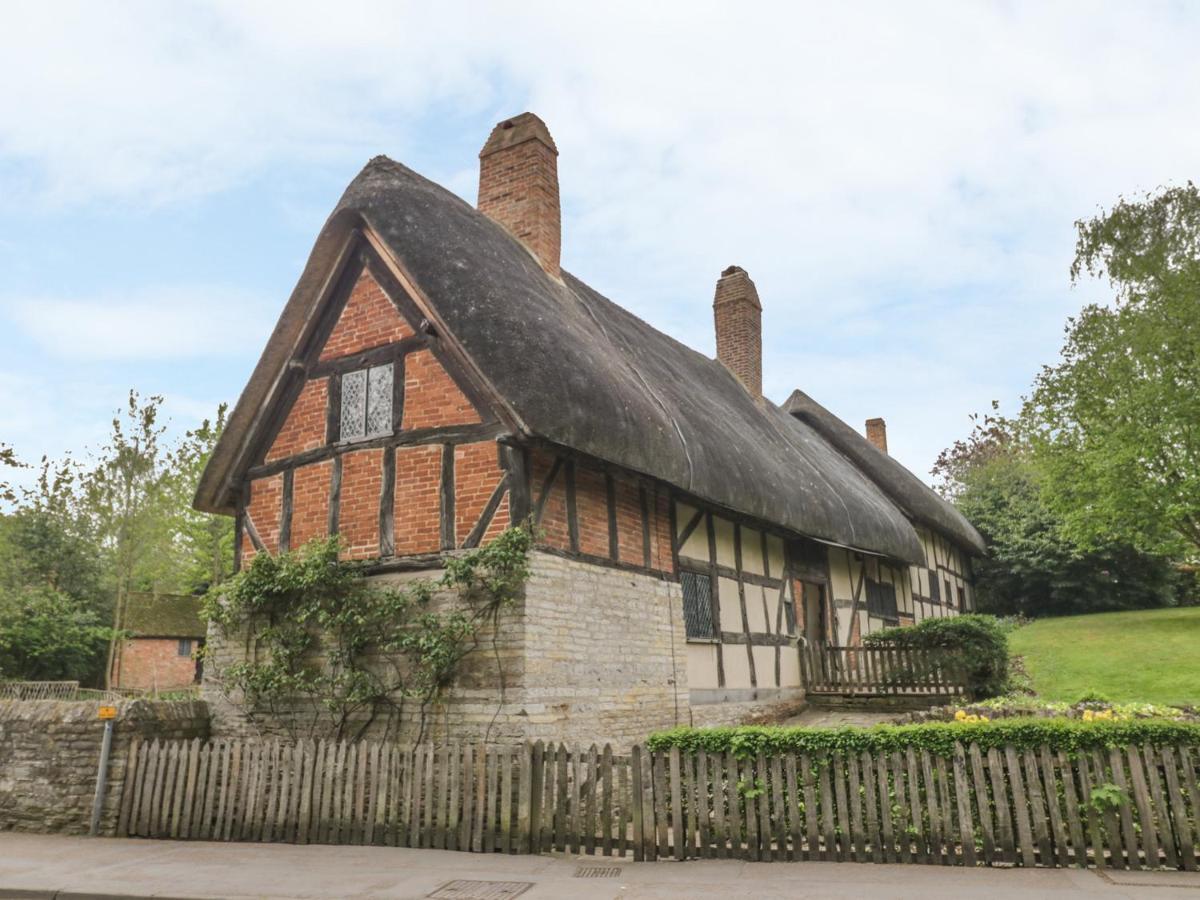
x,y
1068,735
981,640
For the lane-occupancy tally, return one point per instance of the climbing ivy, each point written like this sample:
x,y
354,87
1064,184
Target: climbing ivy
x,y
330,651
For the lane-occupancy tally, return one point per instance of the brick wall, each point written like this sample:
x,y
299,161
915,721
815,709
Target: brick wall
x,y
152,663
265,509
310,502
476,473
418,499
304,427
50,751
358,516
369,319
431,398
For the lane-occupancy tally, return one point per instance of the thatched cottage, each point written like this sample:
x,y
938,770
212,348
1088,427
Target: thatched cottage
x,y
436,376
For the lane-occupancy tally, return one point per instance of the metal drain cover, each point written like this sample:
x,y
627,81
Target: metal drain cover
x,y
598,872
463,889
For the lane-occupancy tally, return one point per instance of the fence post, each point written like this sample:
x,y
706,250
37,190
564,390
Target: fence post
x,y
101,776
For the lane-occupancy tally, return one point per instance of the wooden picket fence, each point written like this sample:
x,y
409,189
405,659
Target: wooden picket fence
x,y
881,671
1123,808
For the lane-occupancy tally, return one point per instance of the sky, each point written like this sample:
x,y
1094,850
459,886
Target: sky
x,y
901,181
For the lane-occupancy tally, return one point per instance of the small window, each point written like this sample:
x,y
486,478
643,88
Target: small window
x,y
697,605
789,614
185,647
962,600
881,601
935,589
366,403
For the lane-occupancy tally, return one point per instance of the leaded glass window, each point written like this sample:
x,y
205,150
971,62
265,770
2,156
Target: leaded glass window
x,y
367,403
697,605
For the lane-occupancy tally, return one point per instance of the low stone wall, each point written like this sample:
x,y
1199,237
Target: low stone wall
x,y
50,752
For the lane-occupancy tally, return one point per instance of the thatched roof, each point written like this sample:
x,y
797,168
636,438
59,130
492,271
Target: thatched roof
x,y
571,367
163,615
905,489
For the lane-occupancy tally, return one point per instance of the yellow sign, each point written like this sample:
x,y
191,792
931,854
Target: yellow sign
x,y
106,712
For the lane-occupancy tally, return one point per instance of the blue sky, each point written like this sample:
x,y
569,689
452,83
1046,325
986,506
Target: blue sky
x,y
899,180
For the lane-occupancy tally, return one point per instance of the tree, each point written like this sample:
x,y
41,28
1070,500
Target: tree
x,y
1033,566
128,501
46,543
8,460
1115,425
207,540
46,635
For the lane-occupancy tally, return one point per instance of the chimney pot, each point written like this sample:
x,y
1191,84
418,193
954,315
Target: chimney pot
x,y
877,433
518,186
737,314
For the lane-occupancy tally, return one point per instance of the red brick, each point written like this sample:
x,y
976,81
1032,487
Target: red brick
x,y
310,502
431,398
476,473
304,427
358,513
369,319
154,664
418,500
265,509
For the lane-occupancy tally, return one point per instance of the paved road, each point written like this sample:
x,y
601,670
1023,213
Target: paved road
x,y
43,867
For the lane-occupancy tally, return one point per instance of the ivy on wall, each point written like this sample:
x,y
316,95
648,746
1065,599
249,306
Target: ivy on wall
x,y
328,652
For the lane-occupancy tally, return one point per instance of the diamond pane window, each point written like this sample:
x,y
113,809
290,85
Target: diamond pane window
x,y
367,403
379,400
354,405
697,605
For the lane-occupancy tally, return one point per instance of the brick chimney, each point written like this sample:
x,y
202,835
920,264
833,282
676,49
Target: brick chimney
x,y
877,433
738,318
518,185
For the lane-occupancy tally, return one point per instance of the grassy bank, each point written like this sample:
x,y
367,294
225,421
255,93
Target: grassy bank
x,y
1151,656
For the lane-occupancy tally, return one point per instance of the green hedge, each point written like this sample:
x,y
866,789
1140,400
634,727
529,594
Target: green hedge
x,y
936,737
981,639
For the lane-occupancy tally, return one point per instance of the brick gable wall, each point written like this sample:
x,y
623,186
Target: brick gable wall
x,y
369,319
304,427
310,502
418,499
431,397
358,515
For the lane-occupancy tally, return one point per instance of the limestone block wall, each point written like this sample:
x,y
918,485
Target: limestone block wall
x,y
605,653
50,752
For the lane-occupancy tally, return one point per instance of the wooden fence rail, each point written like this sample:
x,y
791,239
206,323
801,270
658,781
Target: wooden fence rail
x,y
881,671
1131,807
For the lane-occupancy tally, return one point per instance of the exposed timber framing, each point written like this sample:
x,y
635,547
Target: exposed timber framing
x,y
449,540
285,512
335,495
387,504
455,434
489,511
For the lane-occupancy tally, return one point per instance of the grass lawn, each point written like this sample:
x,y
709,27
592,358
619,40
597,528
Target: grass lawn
x,y
1151,656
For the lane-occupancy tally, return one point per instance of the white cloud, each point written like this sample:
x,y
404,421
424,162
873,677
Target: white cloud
x,y
167,323
905,171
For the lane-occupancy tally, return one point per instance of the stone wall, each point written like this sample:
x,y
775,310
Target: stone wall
x,y
590,653
50,751
605,653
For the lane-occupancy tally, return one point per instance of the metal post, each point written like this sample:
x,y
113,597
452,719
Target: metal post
x,y
101,778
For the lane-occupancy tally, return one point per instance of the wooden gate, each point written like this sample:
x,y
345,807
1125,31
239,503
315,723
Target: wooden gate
x,y
881,671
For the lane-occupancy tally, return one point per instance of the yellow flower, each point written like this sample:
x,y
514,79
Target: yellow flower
x,y
960,715
1087,715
